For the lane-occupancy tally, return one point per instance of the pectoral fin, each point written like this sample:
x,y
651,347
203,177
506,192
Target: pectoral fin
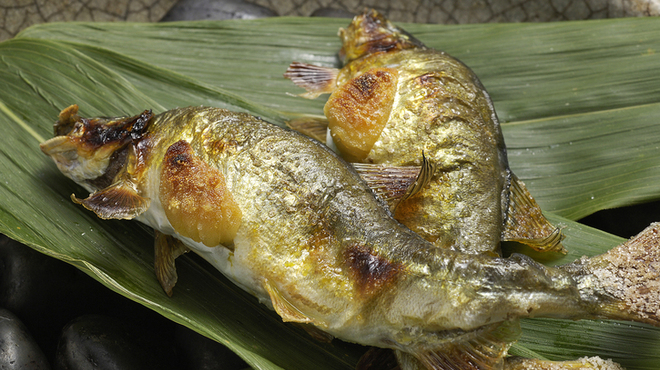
x,y
118,201
483,349
316,80
314,127
166,251
394,184
526,224
283,307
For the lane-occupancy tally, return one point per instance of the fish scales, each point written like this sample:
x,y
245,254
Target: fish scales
x,y
303,233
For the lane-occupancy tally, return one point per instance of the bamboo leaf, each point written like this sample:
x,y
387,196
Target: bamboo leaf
x,y
560,76
599,150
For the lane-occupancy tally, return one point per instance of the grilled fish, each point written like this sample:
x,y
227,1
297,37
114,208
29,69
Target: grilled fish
x,y
395,99
287,220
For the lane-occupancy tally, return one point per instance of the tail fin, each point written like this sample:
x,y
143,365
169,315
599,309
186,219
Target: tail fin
x,y
585,363
625,280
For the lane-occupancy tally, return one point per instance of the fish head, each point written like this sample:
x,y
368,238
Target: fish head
x,y
370,32
83,148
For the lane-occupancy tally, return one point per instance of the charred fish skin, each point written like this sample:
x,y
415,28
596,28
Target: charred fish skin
x,y
290,222
395,99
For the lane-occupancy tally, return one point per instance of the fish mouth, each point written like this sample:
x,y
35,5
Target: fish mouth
x,y
71,161
63,150
57,145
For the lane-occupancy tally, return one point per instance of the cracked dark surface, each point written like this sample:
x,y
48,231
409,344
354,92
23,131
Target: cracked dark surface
x,y
476,11
16,15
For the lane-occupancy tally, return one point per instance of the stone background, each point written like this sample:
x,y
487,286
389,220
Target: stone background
x,y
16,15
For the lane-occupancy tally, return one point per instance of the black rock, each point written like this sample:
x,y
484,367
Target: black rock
x,y
18,350
190,10
47,293
99,342
200,353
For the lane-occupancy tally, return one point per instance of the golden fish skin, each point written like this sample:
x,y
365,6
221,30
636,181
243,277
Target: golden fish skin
x,y
395,99
303,233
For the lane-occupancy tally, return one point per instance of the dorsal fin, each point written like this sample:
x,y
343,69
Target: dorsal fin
x,y
283,307
166,250
426,173
394,184
316,80
526,224
118,201
483,349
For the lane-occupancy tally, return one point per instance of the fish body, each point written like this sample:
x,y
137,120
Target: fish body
x,y
288,221
395,100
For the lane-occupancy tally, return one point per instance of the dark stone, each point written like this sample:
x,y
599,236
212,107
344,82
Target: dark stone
x,y
18,350
47,293
98,342
39,289
200,353
190,10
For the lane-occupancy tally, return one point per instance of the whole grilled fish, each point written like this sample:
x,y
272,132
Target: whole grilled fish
x,y
288,221
395,99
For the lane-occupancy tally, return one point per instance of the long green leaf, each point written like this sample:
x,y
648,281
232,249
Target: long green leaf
x,y
556,74
531,70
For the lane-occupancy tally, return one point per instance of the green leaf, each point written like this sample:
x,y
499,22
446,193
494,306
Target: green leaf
x,y
580,102
556,77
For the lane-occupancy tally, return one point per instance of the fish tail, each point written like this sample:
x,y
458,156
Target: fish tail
x,y
624,283
584,363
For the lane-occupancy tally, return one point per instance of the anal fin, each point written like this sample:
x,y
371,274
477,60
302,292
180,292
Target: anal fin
x,y
394,184
118,201
484,349
166,250
526,224
316,80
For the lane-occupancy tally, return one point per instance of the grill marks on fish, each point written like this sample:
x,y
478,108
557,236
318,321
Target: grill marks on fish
x,y
97,132
370,270
196,199
358,111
